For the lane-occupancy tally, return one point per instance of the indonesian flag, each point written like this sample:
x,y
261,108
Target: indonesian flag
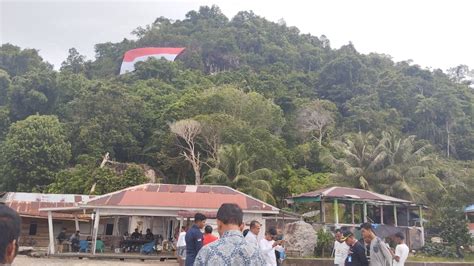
x,y
131,57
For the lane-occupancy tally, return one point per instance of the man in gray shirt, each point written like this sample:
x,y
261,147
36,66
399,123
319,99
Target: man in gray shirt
x,y
379,253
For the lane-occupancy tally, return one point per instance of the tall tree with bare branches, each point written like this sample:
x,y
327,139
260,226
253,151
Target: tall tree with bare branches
x,y
315,118
188,130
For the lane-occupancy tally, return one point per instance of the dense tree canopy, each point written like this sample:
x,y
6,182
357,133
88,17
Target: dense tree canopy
x,y
279,112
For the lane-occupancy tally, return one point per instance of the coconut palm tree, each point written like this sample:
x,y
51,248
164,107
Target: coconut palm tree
x,y
234,169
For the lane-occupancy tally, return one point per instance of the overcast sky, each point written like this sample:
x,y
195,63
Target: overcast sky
x,y
435,33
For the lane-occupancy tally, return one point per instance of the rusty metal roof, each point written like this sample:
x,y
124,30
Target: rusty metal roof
x,y
28,204
180,197
349,193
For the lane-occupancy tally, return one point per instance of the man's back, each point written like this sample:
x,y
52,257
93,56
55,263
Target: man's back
x,y
231,249
379,253
193,244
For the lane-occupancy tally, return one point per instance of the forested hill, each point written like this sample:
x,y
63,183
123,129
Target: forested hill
x,y
274,112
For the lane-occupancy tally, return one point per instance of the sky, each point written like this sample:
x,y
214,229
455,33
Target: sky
x,y
434,34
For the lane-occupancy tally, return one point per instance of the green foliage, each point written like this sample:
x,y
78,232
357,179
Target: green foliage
x,y
34,149
325,242
439,250
253,85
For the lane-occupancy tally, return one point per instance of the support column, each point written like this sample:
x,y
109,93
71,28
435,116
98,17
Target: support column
x,y
323,210
76,222
395,219
421,216
364,213
116,231
321,213
381,214
95,230
408,216
51,233
352,212
336,212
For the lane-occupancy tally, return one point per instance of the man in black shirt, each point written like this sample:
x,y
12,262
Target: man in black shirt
x,y
356,256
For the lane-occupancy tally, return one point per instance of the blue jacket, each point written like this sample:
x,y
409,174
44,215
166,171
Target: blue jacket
x,y
193,244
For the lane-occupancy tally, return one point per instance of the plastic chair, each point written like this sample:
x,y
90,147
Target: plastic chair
x,y
84,246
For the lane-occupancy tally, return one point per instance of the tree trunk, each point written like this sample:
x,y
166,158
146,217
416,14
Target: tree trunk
x,y
320,136
448,140
197,174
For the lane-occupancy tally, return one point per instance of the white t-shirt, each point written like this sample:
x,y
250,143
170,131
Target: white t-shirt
x,y
268,252
181,239
252,238
340,252
402,251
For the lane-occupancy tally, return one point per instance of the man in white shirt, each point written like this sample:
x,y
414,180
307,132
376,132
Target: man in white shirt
x,y
268,246
401,250
181,246
252,235
341,249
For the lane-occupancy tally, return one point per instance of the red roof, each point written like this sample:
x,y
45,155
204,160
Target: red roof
x,y
349,193
28,204
180,197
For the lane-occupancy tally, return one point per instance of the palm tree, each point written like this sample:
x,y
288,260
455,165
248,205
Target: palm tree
x,y
360,157
392,165
234,170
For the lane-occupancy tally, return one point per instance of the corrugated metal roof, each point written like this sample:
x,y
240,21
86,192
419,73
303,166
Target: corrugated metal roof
x,y
28,204
179,197
349,193
469,208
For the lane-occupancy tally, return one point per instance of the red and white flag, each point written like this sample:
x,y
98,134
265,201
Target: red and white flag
x,y
131,57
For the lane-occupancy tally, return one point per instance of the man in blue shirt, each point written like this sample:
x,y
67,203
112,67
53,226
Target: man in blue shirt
x,y
194,238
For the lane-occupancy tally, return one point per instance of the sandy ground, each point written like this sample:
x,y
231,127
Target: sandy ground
x,y
27,261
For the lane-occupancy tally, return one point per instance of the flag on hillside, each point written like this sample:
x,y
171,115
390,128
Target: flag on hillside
x,y
142,54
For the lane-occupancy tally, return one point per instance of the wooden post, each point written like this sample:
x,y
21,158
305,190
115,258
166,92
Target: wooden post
x,y
381,214
421,216
76,222
352,212
51,233
116,231
365,212
408,216
95,230
323,211
395,215
336,213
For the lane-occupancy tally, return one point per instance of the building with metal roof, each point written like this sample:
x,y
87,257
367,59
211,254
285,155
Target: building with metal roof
x,y
163,208
338,207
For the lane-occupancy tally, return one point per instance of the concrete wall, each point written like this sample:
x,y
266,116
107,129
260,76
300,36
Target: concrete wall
x,y
330,262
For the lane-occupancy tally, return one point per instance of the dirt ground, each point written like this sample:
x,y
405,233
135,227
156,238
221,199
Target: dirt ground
x,y
27,261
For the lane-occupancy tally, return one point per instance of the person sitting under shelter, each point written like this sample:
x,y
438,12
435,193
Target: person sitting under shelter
x,y
74,239
61,240
136,234
149,235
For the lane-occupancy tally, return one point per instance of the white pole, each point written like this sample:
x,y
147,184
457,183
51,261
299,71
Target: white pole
x,y
51,233
96,230
76,221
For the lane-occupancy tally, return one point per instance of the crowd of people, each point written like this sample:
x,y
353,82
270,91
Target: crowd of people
x,y
235,246
370,250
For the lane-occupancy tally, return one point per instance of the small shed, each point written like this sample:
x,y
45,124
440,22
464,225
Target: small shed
x,y
34,227
349,207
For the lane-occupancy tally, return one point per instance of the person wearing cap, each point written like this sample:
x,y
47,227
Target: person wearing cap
x,y
340,249
401,250
379,252
356,255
